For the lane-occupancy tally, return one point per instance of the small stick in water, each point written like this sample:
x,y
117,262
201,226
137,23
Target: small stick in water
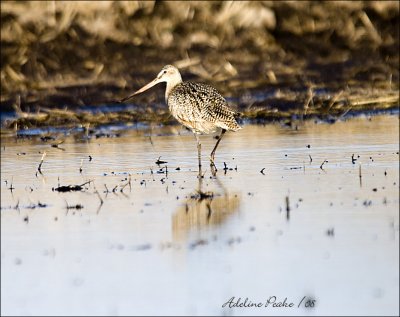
x,y
98,195
17,206
325,161
41,162
101,200
69,188
77,206
287,208
11,188
128,183
56,145
159,162
360,174
80,168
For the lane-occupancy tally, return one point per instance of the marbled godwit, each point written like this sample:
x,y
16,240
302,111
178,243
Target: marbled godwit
x,y
199,107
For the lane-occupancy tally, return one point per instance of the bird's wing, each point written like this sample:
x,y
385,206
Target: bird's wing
x,y
214,108
203,104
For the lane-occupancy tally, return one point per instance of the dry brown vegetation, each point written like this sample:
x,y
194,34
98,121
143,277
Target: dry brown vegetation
x,y
272,59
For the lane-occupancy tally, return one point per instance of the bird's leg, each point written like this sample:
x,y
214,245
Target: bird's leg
x,y
198,153
215,147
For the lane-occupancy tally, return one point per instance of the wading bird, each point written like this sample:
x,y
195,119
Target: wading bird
x,y
199,107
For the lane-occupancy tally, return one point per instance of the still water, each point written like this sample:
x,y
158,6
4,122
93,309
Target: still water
x,y
144,239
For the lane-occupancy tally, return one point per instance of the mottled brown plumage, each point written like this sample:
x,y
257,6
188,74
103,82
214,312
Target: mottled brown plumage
x,y
199,107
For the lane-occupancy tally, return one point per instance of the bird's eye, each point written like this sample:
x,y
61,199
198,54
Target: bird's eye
x,y
164,72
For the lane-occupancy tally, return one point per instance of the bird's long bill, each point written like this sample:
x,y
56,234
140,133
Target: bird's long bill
x,y
144,88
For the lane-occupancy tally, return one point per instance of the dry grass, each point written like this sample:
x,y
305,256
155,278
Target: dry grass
x,y
58,53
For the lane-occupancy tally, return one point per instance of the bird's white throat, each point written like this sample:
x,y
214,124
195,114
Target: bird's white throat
x,y
172,81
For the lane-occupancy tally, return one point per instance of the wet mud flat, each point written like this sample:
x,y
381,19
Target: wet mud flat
x,y
119,223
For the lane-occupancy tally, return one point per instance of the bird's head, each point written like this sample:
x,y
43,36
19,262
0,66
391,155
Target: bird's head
x,y
169,74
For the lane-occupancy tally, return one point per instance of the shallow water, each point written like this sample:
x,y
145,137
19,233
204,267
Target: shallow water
x,y
154,247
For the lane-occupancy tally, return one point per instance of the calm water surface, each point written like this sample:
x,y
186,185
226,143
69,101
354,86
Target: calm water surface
x,y
154,246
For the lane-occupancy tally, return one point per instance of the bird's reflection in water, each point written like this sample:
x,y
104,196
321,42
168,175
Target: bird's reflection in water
x,y
203,209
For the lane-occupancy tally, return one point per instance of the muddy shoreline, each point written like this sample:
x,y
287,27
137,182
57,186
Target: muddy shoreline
x,y
304,59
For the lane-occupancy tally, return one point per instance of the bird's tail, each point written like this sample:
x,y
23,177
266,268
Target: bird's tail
x,y
236,125
231,125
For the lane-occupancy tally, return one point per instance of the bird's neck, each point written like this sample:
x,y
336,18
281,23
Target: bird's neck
x,y
171,84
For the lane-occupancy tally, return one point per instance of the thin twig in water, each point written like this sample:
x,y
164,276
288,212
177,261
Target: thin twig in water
x,y
225,168
16,207
287,207
128,183
41,162
77,206
56,145
11,188
101,199
98,195
159,162
321,167
69,188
